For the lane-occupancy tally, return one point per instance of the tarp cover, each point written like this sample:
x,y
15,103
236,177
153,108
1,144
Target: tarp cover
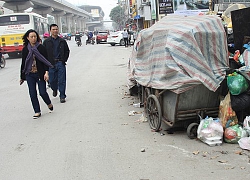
x,y
180,52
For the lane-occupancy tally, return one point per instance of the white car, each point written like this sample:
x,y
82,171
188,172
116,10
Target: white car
x,y
116,38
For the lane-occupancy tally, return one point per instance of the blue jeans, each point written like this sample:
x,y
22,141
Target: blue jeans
x,y
57,78
32,80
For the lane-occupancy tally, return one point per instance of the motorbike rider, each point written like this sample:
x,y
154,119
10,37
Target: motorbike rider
x,y
90,36
78,37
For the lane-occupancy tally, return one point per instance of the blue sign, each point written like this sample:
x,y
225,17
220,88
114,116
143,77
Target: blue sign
x,y
137,17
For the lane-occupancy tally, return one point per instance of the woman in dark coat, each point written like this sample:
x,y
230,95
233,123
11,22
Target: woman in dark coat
x,y
35,70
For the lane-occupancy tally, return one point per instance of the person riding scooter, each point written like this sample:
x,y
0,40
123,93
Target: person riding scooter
x,y
78,37
90,36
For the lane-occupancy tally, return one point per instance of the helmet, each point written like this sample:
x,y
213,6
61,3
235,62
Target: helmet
x,y
46,35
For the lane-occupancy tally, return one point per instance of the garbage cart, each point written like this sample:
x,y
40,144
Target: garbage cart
x,y
180,63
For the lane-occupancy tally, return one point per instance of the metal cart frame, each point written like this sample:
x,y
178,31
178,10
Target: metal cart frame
x,y
180,110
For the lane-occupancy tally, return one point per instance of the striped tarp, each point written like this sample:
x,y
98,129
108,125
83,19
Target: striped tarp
x,y
178,53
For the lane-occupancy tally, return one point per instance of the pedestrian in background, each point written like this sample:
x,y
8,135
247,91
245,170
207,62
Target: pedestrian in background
x,y
129,37
125,37
58,54
35,70
45,36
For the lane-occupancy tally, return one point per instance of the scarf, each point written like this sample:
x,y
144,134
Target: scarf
x,y
29,59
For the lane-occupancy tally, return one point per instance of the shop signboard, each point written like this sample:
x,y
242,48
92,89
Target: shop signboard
x,y
137,17
165,6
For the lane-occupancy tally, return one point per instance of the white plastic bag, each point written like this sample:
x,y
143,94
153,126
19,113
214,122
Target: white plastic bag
x,y
244,143
246,124
210,131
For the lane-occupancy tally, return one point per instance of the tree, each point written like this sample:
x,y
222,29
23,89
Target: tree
x,y
117,15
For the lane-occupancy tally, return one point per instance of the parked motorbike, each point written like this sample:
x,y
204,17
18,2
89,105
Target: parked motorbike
x,y
90,41
78,43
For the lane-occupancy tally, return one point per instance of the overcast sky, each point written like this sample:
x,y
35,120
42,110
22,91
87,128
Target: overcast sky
x,y
106,5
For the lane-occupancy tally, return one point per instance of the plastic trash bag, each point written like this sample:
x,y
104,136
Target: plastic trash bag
x,y
244,143
246,124
210,131
240,102
234,133
227,115
236,83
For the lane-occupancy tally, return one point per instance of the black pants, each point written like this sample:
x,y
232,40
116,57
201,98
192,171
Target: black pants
x,y
126,41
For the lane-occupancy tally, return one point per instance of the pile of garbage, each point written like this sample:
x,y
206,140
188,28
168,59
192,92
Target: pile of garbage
x,y
233,122
214,131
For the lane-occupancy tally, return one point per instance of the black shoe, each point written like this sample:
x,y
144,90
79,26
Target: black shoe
x,y
36,116
51,107
54,93
62,100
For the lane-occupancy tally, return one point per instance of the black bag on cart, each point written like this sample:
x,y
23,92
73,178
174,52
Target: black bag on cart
x,y
240,102
241,105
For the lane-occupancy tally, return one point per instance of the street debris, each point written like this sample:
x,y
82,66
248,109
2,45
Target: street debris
x,y
222,152
132,113
126,95
204,154
222,161
142,119
143,150
232,167
214,157
20,147
137,105
131,103
239,152
196,152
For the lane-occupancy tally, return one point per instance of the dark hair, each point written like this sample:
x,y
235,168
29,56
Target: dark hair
x,y
52,25
26,41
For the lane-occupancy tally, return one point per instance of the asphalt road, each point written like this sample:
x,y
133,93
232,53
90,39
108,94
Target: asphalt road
x,y
92,137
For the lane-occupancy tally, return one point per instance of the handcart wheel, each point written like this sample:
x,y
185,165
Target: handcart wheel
x,y
192,130
153,110
146,93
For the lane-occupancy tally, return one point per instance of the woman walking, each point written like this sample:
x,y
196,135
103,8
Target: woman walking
x,y
35,70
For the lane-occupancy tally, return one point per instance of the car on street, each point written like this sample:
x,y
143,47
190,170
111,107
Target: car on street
x,y
117,38
66,36
101,37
